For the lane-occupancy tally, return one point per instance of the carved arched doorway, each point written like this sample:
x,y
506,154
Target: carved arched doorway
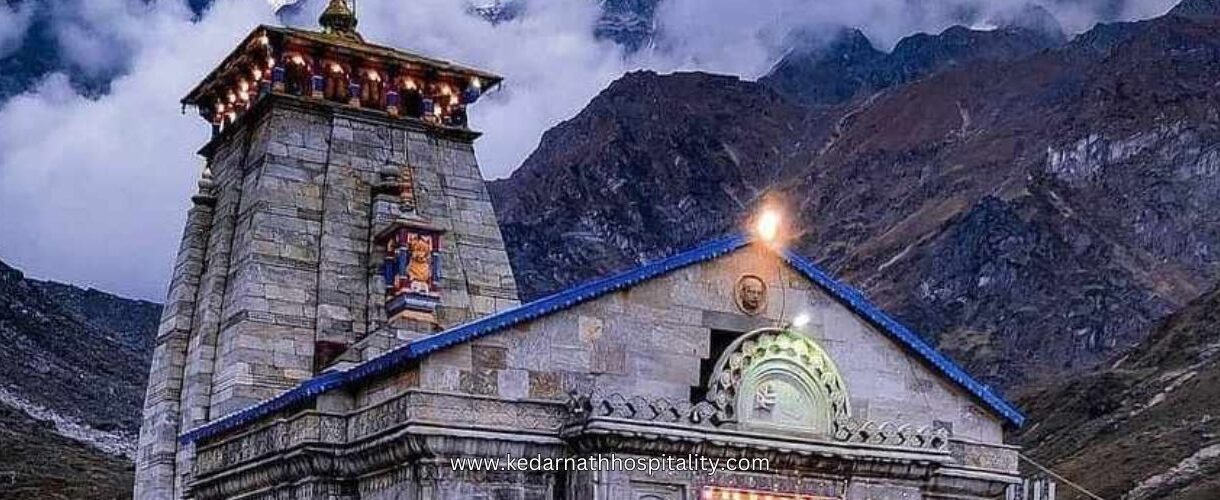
x,y
773,377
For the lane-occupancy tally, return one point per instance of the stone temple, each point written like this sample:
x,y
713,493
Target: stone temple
x,y
343,323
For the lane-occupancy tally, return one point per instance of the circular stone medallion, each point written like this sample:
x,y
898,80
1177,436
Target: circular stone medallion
x,y
750,294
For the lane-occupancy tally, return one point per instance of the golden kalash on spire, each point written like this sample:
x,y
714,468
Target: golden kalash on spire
x,y
337,67
339,20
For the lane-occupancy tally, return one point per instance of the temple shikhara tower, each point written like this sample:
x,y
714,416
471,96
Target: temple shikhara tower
x,y
343,323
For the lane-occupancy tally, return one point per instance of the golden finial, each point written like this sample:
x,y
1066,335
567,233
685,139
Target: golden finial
x,y
339,20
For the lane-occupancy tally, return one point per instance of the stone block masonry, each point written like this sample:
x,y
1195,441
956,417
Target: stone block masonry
x,y
278,273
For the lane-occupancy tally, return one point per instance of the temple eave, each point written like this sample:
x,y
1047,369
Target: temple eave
x,y
259,106
372,54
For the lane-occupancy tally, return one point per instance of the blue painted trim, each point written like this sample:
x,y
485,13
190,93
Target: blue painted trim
x,y
848,296
307,391
478,328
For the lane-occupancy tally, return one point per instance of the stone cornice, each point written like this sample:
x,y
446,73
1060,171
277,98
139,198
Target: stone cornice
x,y
420,427
820,455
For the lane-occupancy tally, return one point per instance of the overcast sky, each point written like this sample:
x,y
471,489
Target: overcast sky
x,y
93,191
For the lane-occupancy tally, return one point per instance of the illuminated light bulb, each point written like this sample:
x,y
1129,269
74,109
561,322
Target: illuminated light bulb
x,y
232,116
231,97
244,95
335,68
436,110
445,90
453,100
768,224
270,62
476,83
243,85
257,74
297,59
801,320
374,76
411,84
264,41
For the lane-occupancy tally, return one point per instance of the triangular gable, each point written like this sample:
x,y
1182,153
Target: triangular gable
x,y
844,294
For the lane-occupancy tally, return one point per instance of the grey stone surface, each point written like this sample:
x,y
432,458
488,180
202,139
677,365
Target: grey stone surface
x,y
283,259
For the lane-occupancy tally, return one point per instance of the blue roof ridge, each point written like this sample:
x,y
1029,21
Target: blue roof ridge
x,y
848,296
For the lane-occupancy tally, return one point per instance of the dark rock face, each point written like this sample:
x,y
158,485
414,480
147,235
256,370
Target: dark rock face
x,y
1198,9
70,355
1014,284
1035,214
629,23
827,72
833,71
39,463
640,173
1149,417
133,322
79,353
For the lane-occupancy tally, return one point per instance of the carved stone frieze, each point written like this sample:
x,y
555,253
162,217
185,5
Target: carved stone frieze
x,y
406,442
705,414
890,434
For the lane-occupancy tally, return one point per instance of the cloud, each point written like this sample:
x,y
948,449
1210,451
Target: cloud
x,y
14,22
94,190
746,37
552,64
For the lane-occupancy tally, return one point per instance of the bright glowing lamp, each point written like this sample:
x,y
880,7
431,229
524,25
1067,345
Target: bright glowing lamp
x,y
767,225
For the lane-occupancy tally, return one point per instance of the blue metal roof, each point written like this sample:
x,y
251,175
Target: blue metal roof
x,y
858,303
848,296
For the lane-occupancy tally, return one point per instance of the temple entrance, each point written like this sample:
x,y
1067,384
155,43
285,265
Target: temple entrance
x,y
773,377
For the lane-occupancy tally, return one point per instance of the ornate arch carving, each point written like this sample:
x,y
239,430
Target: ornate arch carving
x,y
778,378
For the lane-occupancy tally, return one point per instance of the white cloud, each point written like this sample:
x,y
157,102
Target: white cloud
x,y
14,22
93,191
551,62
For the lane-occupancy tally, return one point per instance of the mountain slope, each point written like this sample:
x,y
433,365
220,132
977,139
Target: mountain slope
x,y
848,66
1150,417
40,463
640,173
72,375
1033,215
78,368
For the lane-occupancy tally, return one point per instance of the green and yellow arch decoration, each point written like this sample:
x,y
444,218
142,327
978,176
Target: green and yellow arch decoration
x,y
774,377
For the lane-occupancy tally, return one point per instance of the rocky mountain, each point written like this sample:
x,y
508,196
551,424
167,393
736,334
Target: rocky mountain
x,y
640,173
629,23
72,376
831,70
1034,213
39,462
1150,416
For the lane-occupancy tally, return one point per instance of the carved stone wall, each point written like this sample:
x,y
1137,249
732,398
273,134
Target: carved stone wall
x,y
653,339
402,447
290,281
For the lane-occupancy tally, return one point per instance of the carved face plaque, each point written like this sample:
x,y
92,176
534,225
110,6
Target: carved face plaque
x,y
751,295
